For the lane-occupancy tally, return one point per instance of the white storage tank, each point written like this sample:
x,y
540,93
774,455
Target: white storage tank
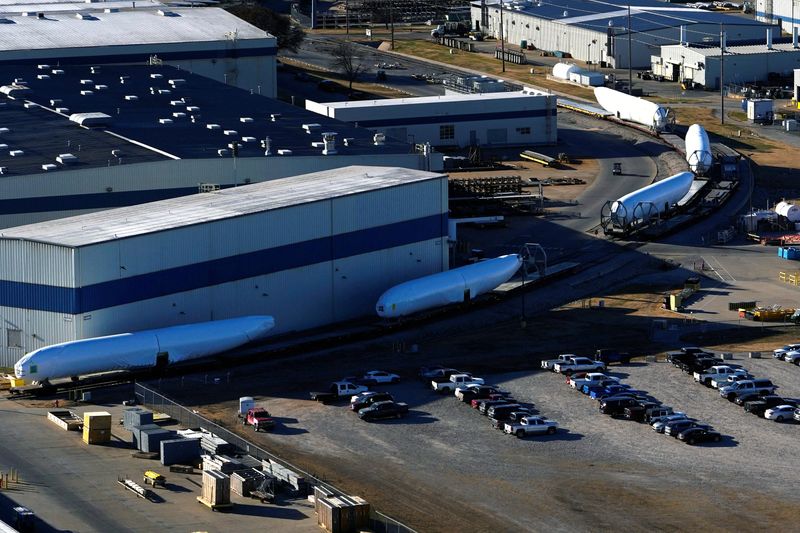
x,y
245,404
563,70
790,211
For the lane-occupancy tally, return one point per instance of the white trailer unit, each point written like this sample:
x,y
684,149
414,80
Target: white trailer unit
x,y
308,250
759,110
526,117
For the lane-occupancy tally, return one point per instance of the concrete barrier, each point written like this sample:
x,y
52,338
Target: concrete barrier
x,y
755,355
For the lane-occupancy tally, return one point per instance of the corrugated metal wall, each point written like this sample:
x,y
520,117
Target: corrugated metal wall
x,y
299,298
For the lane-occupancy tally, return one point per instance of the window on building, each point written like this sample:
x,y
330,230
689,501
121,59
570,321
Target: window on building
x,y
447,132
14,338
524,131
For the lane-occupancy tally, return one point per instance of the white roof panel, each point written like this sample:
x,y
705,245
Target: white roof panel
x,y
200,208
131,27
465,98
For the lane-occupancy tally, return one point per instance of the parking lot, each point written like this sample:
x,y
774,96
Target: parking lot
x,y
444,467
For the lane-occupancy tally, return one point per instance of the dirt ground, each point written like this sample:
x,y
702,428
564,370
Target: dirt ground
x,y
438,473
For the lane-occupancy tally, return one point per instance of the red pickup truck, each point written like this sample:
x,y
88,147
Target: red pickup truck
x,y
259,418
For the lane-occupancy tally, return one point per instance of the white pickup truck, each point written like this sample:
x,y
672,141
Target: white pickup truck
x,y
530,425
456,380
579,364
717,372
592,378
563,358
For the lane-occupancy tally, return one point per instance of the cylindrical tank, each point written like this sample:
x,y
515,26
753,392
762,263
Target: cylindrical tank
x,y
632,108
142,349
698,150
563,70
790,211
648,201
445,288
245,404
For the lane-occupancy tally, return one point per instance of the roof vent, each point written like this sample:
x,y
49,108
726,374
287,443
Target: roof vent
x,y
49,166
62,110
329,138
231,132
275,117
124,79
3,131
90,119
14,90
94,70
57,71
87,93
67,159
177,102
43,76
85,16
248,139
43,67
192,108
177,82
131,97
311,127
30,105
164,91
379,139
213,126
245,120
165,13
186,99
87,82
6,21
284,152
165,121
179,114
116,152
222,152
348,141
19,81
156,76
16,153
111,10
317,144
40,15
100,87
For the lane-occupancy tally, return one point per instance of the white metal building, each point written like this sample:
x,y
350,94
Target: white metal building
x,y
167,133
525,117
784,12
743,64
597,31
207,41
309,250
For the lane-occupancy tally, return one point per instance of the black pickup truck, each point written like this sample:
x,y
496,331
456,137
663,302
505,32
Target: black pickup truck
x,y
609,356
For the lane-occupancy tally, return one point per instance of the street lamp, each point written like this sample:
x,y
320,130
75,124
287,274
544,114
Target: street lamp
x,y
502,39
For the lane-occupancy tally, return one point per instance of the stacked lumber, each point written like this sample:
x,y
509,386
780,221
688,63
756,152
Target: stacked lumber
x,y
281,473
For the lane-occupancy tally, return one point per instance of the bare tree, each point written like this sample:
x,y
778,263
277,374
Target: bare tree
x,y
345,59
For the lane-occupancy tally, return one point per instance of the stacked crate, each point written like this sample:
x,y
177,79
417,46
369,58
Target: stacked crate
x,y
179,451
136,416
96,427
216,488
245,481
150,439
340,514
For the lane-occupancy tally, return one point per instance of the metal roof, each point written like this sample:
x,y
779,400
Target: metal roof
x,y
646,15
53,6
222,114
741,50
114,224
475,98
128,27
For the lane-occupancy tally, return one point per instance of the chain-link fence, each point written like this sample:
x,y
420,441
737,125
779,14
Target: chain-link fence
x,y
380,523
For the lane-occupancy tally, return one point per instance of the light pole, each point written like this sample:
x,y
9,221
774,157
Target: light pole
x,y
502,39
722,73
630,54
391,19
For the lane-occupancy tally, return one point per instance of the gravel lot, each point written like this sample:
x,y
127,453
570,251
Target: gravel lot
x,y
445,468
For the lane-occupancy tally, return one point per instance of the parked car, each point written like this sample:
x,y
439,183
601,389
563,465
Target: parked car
x,y
724,382
744,398
579,364
652,415
759,406
779,353
380,376
640,410
548,364
608,392
590,379
427,373
513,416
474,391
455,380
698,434
593,390
531,425
761,386
368,400
700,364
485,405
380,410
259,418
717,372
616,405
659,423
609,356
476,403
337,390
797,415
499,411
792,357
674,427
780,413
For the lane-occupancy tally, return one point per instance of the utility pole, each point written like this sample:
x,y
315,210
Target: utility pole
x,y
347,18
630,54
391,19
722,73
502,39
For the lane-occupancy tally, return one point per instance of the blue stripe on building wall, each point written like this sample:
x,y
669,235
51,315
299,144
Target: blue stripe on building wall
x,y
477,116
72,202
141,57
218,271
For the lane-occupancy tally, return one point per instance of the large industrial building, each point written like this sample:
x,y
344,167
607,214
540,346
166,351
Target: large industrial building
x,y
206,41
525,117
742,64
157,132
309,250
783,12
597,32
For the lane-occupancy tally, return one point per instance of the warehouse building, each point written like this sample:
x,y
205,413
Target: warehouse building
x,y
157,132
525,117
206,41
742,64
597,32
309,250
783,12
